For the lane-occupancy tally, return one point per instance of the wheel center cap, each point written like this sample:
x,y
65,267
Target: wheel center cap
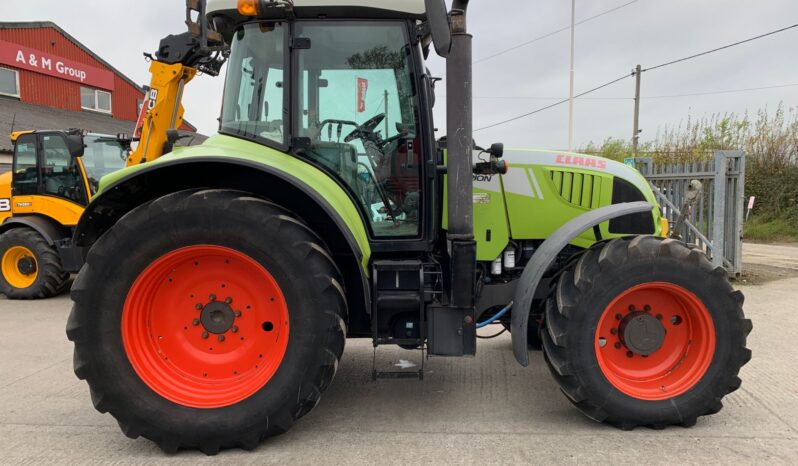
x,y
217,317
26,266
642,333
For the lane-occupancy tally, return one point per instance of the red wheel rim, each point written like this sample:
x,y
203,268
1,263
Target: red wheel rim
x,y
205,326
686,350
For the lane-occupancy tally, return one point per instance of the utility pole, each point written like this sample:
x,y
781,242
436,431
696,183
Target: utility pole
x,y
636,131
571,92
386,115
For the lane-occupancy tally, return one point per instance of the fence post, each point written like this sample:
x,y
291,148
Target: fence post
x,y
739,215
644,164
719,208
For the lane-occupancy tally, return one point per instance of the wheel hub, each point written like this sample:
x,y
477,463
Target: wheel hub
x,y
26,266
642,333
217,317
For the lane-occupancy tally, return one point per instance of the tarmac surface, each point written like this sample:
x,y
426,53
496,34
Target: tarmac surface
x,y
482,410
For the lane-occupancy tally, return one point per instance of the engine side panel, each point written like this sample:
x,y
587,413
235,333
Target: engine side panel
x,y
545,190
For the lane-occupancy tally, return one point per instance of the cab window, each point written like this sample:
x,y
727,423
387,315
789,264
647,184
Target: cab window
x,y
254,91
60,173
356,115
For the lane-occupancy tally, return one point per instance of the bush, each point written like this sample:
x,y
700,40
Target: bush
x,y
770,142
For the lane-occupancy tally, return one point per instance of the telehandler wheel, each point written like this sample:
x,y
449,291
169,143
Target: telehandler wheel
x,y
644,331
220,321
31,268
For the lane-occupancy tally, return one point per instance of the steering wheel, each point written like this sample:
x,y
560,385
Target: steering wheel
x,y
366,129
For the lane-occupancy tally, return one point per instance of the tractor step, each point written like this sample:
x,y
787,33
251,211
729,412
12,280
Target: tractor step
x,y
397,314
418,374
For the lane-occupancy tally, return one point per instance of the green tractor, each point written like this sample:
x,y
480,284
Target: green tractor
x,y
222,281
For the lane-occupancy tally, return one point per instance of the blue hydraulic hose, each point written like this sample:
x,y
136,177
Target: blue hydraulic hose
x,y
496,316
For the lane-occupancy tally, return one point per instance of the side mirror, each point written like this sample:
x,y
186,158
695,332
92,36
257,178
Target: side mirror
x,y
75,144
172,136
496,149
438,19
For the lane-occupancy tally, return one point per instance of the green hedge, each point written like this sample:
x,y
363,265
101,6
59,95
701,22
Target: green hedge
x,y
776,194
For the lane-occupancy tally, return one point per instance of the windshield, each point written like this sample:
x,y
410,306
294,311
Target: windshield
x,y
102,156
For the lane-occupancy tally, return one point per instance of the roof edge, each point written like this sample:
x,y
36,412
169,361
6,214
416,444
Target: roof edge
x,y
50,24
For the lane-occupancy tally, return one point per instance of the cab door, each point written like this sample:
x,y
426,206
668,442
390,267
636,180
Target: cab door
x,y
47,179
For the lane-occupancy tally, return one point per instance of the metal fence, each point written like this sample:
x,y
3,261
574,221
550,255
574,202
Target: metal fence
x,y
712,217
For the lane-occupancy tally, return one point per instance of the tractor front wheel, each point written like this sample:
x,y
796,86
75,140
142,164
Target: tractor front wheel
x,y
207,319
644,331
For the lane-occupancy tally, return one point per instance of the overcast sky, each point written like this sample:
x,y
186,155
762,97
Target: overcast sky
x,y
648,32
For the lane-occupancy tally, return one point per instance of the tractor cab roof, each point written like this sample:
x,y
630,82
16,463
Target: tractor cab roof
x,y
413,9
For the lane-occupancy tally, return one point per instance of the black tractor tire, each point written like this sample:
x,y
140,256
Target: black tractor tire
x,y
572,334
50,276
268,234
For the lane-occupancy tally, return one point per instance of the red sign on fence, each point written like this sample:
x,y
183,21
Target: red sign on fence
x,y
51,65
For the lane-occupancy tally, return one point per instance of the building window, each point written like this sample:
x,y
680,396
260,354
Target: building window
x,y
9,82
95,99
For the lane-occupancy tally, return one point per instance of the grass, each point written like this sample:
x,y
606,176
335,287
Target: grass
x,y
771,231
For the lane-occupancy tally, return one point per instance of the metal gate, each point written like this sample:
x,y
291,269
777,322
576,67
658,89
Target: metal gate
x,y
713,216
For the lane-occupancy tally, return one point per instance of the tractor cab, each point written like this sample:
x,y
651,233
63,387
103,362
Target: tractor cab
x,y
349,95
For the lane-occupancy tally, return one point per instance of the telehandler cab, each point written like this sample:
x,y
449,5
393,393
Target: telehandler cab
x,y
325,209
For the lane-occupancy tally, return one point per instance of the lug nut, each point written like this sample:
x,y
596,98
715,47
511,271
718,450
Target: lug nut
x,y
212,297
195,322
221,337
234,329
629,354
198,306
618,316
632,307
205,335
618,345
228,300
238,313
613,331
646,308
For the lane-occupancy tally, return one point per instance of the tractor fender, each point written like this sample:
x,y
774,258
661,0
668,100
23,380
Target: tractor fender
x,y
156,179
48,229
545,256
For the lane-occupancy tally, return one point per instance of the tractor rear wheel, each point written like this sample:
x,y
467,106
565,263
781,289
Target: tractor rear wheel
x,y
207,319
29,267
644,331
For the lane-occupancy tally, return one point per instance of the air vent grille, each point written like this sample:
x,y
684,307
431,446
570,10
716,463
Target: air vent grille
x,y
579,189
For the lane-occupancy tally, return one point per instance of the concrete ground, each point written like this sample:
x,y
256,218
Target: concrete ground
x,y
475,411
